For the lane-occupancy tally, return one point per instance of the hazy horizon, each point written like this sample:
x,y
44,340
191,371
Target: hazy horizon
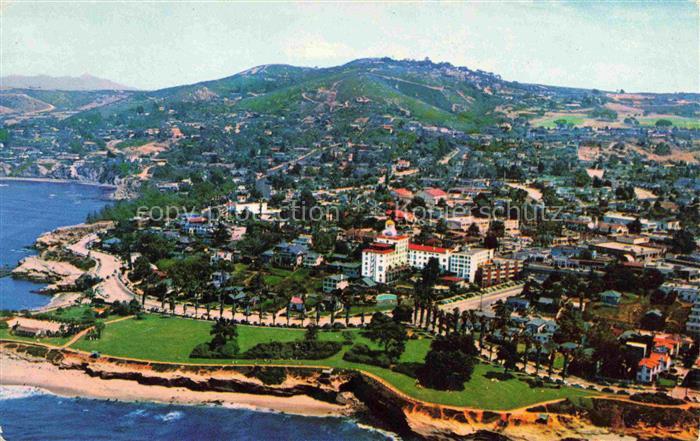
x,y
636,46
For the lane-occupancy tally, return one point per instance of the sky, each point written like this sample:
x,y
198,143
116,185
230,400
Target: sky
x,y
610,45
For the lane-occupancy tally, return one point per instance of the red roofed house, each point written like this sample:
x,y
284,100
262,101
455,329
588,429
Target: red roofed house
x,y
296,303
400,215
402,194
665,347
432,196
650,367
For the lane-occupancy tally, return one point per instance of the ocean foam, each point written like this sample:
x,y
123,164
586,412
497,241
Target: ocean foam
x,y
171,416
19,392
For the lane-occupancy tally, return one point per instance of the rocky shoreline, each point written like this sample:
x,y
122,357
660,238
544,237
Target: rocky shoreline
x,y
354,393
59,273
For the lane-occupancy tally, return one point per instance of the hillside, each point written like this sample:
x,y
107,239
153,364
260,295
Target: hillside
x,y
429,93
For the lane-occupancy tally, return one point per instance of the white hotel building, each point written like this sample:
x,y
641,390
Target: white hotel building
x,y
391,253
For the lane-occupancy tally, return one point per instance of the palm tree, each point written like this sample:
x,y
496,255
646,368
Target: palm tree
x,y
171,300
482,331
527,340
428,312
441,321
247,312
538,348
261,301
196,303
552,356
416,305
346,297
464,321
220,293
334,295
274,298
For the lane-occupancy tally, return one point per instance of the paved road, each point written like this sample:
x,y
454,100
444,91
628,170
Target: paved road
x,y
484,301
111,288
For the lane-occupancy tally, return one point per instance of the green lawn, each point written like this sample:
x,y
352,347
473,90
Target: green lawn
x,y
172,339
571,119
678,121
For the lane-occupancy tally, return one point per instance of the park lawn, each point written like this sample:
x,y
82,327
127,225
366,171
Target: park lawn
x,y
71,313
171,340
77,313
56,341
576,120
283,278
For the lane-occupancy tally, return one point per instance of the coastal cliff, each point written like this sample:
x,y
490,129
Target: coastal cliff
x,y
350,392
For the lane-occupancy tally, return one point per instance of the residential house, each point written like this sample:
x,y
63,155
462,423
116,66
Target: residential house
x,y
432,196
610,297
650,367
334,282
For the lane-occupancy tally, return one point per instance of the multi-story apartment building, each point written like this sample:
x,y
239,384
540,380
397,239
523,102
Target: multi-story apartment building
x,y
499,270
693,323
466,263
419,255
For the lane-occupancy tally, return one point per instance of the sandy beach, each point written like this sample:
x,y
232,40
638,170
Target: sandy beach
x,y
75,383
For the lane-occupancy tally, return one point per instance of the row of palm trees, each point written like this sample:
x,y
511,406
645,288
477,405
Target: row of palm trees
x,y
256,299
428,316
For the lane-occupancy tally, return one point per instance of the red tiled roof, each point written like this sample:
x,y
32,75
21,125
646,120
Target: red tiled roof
x,y
653,360
379,248
403,193
400,214
398,237
435,192
426,248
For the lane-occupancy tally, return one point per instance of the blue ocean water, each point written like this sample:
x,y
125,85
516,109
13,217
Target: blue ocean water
x,y
28,209
27,414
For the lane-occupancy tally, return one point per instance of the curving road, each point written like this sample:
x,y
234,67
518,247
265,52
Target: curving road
x,y
108,268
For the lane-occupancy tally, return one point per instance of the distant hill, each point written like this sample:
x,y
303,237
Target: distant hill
x,y
379,88
374,94
45,82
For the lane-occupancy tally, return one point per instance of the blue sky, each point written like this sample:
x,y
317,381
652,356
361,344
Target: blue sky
x,y
637,46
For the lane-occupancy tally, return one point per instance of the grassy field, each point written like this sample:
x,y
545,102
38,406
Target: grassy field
x,y
678,121
172,339
550,122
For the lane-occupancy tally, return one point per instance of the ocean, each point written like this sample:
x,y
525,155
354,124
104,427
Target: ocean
x,y
28,209
31,414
